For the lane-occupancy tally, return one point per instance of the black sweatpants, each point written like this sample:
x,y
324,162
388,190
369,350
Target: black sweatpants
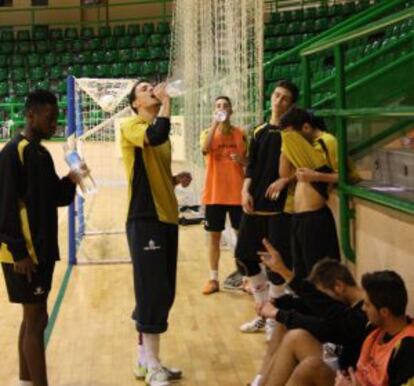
x,y
253,228
313,238
153,247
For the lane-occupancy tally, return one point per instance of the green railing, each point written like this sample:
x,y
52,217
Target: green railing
x,y
102,17
341,113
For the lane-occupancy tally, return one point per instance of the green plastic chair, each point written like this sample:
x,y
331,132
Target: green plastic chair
x,y
149,67
17,60
321,12
44,84
163,67
133,69
93,44
110,43
75,70
163,28
41,46
119,30
4,74
24,47
98,57
77,45
124,42
155,40
141,54
125,55
133,29
58,46
61,87
103,71
87,33
309,13
7,36
88,70
56,34
148,29
66,59
21,89
36,73
111,56
6,48
104,31
4,89
71,33
40,34
23,35
156,53
139,41
117,70
56,72
50,59
18,74
4,60
268,30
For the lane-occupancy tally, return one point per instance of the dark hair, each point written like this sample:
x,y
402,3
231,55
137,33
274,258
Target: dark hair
x,y
39,98
296,118
317,122
131,95
226,98
327,271
386,289
291,87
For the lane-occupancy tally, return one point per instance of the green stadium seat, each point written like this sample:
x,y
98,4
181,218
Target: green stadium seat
x,y
141,54
294,27
36,73
4,74
56,34
41,46
111,56
139,41
50,59
321,24
270,44
104,31
40,32
87,33
77,45
23,35
321,12
18,73
66,59
4,89
119,30
88,70
125,55
98,57
133,29
17,60
149,67
4,60
21,89
124,42
43,84
71,33
166,40
274,17
117,70
93,44
163,28
75,70
6,48
156,53
110,43
268,30
163,67
24,47
56,72
57,46
133,69
103,70
7,36
148,28
307,26
309,13
349,8
155,40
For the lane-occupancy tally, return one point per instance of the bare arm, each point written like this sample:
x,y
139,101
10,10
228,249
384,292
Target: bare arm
x,y
247,199
286,169
206,146
309,175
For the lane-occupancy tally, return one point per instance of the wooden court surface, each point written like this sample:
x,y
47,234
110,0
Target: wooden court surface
x,y
93,342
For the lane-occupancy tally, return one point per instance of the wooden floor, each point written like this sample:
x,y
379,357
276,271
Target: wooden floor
x,y
94,341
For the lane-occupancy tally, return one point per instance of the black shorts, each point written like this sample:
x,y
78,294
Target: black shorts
x,y
313,238
153,247
253,228
20,290
215,217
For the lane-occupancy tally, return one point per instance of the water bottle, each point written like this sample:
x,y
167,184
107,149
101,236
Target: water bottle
x,y
220,116
73,159
175,88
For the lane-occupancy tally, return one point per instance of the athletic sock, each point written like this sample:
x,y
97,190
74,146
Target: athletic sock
x,y
276,291
25,383
214,275
152,349
259,287
141,358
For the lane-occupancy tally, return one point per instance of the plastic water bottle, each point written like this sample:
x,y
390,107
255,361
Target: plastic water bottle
x,y
73,159
175,88
220,116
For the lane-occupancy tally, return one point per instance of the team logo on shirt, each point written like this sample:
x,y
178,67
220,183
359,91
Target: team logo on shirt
x,y
38,291
151,246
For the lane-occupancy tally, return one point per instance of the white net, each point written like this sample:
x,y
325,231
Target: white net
x,y
100,105
217,49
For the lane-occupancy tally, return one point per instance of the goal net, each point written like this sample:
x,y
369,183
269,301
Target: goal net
x,y
216,49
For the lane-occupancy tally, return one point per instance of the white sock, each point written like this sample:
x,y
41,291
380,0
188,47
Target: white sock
x,y
214,275
256,380
152,349
276,291
259,287
141,357
25,383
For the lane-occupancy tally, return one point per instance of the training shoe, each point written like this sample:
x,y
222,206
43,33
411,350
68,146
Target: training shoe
x,y
269,328
234,281
211,287
157,377
255,325
140,372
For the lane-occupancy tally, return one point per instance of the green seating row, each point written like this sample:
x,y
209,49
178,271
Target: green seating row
x,y
78,45
71,33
